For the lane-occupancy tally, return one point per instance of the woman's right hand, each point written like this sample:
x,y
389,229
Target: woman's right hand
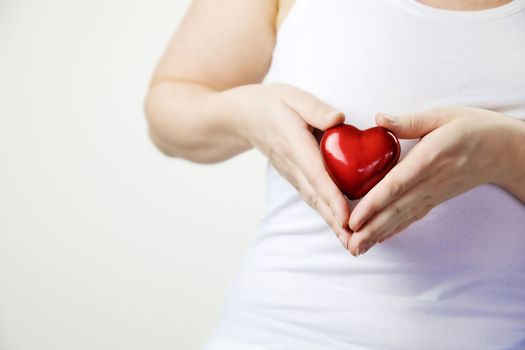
x,y
278,120
205,104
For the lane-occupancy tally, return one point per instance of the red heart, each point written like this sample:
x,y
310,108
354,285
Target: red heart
x,y
357,160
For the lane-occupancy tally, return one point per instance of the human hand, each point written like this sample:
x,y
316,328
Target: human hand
x,y
278,120
461,148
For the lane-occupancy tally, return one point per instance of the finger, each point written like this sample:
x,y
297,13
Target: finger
x,y
387,234
316,202
404,225
285,167
308,158
415,125
361,242
295,177
397,212
397,230
312,110
378,227
405,175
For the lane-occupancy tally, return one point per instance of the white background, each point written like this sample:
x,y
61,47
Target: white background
x,y
104,242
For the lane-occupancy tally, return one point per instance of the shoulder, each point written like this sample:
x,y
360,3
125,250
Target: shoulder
x,y
283,8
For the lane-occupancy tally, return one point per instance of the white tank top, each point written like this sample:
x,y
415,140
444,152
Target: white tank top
x,y
455,279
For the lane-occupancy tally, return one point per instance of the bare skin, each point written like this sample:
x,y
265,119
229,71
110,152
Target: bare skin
x,y
205,104
464,5
449,160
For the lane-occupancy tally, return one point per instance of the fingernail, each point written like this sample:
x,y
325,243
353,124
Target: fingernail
x,y
367,247
387,119
357,226
355,221
334,114
357,252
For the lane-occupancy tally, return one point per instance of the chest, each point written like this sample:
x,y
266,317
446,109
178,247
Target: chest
x,y
365,57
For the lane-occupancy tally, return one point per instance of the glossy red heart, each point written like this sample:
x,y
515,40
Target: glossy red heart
x,y
357,160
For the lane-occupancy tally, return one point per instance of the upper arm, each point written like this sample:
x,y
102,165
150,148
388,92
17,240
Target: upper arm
x,y
221,43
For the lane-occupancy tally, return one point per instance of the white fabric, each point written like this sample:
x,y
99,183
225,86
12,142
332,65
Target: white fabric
x,y
454,280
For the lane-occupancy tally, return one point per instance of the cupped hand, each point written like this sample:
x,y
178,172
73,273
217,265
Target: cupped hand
x,y
279,121
460,148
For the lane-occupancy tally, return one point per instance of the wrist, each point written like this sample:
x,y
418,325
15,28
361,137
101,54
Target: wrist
x,y
236,108
187,120
512,156
246,108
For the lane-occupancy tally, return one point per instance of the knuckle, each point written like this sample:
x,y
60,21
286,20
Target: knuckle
x,y
315,202
464,163
426,209
397,189
316,179
410,122
312,199
397,210
427,198
442,163
295,184
308,197
434,157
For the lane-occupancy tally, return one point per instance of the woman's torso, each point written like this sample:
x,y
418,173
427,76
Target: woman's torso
x,y
455,279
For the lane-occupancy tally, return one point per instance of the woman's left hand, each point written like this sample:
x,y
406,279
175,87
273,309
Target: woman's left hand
x,y
460,148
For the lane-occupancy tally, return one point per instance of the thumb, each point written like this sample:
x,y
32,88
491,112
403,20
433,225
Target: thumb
x,y
315,112
412,126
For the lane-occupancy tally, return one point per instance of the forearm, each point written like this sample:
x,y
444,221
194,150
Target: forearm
x,y
192,121
517,188
513,179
